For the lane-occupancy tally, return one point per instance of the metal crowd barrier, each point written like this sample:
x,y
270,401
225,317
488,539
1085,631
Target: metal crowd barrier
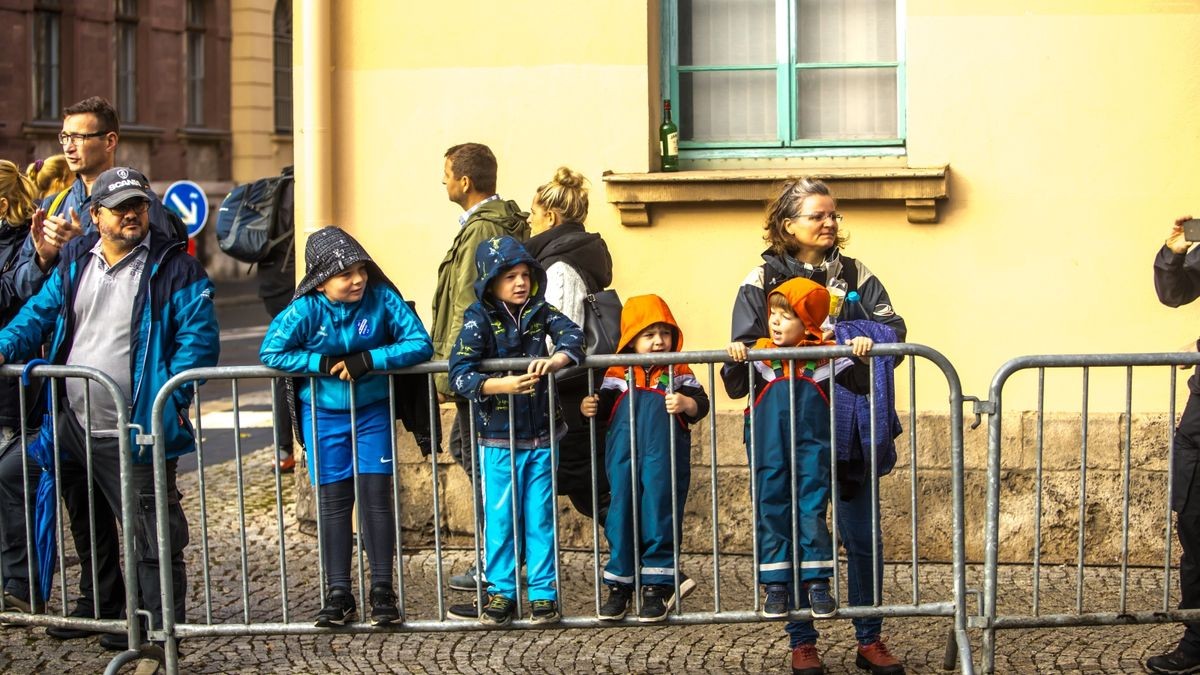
x,y
277,616
28,431
1083,609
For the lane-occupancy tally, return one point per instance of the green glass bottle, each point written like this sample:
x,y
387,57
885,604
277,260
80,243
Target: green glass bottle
x,y
668,140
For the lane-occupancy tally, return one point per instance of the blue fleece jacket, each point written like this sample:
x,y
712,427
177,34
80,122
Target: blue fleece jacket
x,y
312,326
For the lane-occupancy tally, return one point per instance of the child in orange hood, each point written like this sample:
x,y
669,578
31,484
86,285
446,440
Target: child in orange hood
x,y
657,397
797,311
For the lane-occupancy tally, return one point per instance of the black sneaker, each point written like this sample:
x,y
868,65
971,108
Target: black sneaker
x,y
1175,662
467,611
617,604
544,611
498,612
775,606
820,602
654,603
383,605
339,608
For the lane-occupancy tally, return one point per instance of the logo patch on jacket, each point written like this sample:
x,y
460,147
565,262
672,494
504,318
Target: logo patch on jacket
x,y
364,327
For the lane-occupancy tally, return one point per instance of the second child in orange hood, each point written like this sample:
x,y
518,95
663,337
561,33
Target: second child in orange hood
x,y
666,398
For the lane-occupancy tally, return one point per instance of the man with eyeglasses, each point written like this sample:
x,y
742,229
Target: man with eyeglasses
x,y
89,138
126,300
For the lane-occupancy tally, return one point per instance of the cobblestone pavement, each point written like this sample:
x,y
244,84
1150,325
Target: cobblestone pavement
x,y
734,648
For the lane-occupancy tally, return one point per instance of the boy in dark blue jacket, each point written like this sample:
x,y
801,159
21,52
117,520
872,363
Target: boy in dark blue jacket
x,y
797,309
511,319
346,320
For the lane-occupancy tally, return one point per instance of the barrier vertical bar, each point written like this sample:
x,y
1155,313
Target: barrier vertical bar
x,y
712,485
205,561
241,500
1083,450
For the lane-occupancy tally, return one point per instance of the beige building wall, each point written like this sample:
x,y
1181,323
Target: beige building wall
x,y
1068,128
257,149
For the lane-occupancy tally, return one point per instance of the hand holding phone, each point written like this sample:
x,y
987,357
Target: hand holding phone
x,y
1191,229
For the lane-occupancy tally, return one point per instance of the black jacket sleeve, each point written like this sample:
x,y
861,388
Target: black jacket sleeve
x,y
1177,276
736,377
856,377
698,395
608,399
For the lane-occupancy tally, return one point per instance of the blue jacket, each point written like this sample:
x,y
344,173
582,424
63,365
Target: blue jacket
x,y
854,409
174,328
492,331
313,326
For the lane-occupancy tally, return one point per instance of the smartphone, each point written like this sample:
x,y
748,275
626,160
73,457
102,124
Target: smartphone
x,y
1191,229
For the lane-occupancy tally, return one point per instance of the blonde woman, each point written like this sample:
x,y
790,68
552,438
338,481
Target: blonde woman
x,y
577,263
51,175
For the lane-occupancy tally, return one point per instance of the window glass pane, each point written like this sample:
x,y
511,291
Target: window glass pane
x,y
727,106
195,73
195,13
846,104
126,71
721,32
845,30
283,65
45,65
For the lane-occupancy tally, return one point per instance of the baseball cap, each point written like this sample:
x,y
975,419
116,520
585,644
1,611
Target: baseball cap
x,y
119,184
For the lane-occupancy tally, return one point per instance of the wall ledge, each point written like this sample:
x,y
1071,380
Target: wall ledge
x,y
919,188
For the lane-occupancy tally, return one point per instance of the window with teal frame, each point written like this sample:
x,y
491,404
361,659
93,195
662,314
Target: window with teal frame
x,y
785,77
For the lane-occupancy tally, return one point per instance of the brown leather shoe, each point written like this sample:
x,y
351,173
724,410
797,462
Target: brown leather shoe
x,y
876,658
806,660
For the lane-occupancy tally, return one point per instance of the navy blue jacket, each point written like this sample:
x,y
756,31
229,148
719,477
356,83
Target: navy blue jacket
x,y
491,330
174,327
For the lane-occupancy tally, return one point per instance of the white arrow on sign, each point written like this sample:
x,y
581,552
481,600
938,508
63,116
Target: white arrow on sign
x,y
187,212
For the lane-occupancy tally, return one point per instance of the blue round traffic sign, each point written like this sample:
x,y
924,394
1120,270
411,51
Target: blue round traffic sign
x,y
190,203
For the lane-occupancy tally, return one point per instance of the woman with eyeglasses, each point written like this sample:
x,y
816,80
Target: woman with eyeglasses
x,y
804,239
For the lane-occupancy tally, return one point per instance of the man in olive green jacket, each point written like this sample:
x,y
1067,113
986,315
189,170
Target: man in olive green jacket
x,y
470,180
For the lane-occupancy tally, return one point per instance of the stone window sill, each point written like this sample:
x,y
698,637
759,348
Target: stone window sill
x,y
919,188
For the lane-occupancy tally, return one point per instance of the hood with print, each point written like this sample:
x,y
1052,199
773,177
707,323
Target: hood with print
x,y
330,251
498,254
639,313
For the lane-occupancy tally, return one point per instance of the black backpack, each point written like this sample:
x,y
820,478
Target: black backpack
x,y
248,220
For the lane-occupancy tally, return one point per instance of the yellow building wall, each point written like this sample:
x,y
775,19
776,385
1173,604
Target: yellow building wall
x,y
257,150
1070,129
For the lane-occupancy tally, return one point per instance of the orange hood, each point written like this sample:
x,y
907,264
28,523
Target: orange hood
x,y
810,303
639,313
642,311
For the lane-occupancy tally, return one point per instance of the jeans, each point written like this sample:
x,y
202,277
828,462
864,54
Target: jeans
x,y
1185,501
855,529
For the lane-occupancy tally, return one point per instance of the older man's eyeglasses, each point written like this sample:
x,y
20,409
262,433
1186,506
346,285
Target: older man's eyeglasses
x,y
65,139
818,218
135,206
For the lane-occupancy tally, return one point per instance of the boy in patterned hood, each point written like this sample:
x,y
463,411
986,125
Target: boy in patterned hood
x,y
511,319
346,320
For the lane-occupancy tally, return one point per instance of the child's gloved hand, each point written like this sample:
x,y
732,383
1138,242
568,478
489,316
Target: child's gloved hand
x,y
353,366
590,405
327,363
737,351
